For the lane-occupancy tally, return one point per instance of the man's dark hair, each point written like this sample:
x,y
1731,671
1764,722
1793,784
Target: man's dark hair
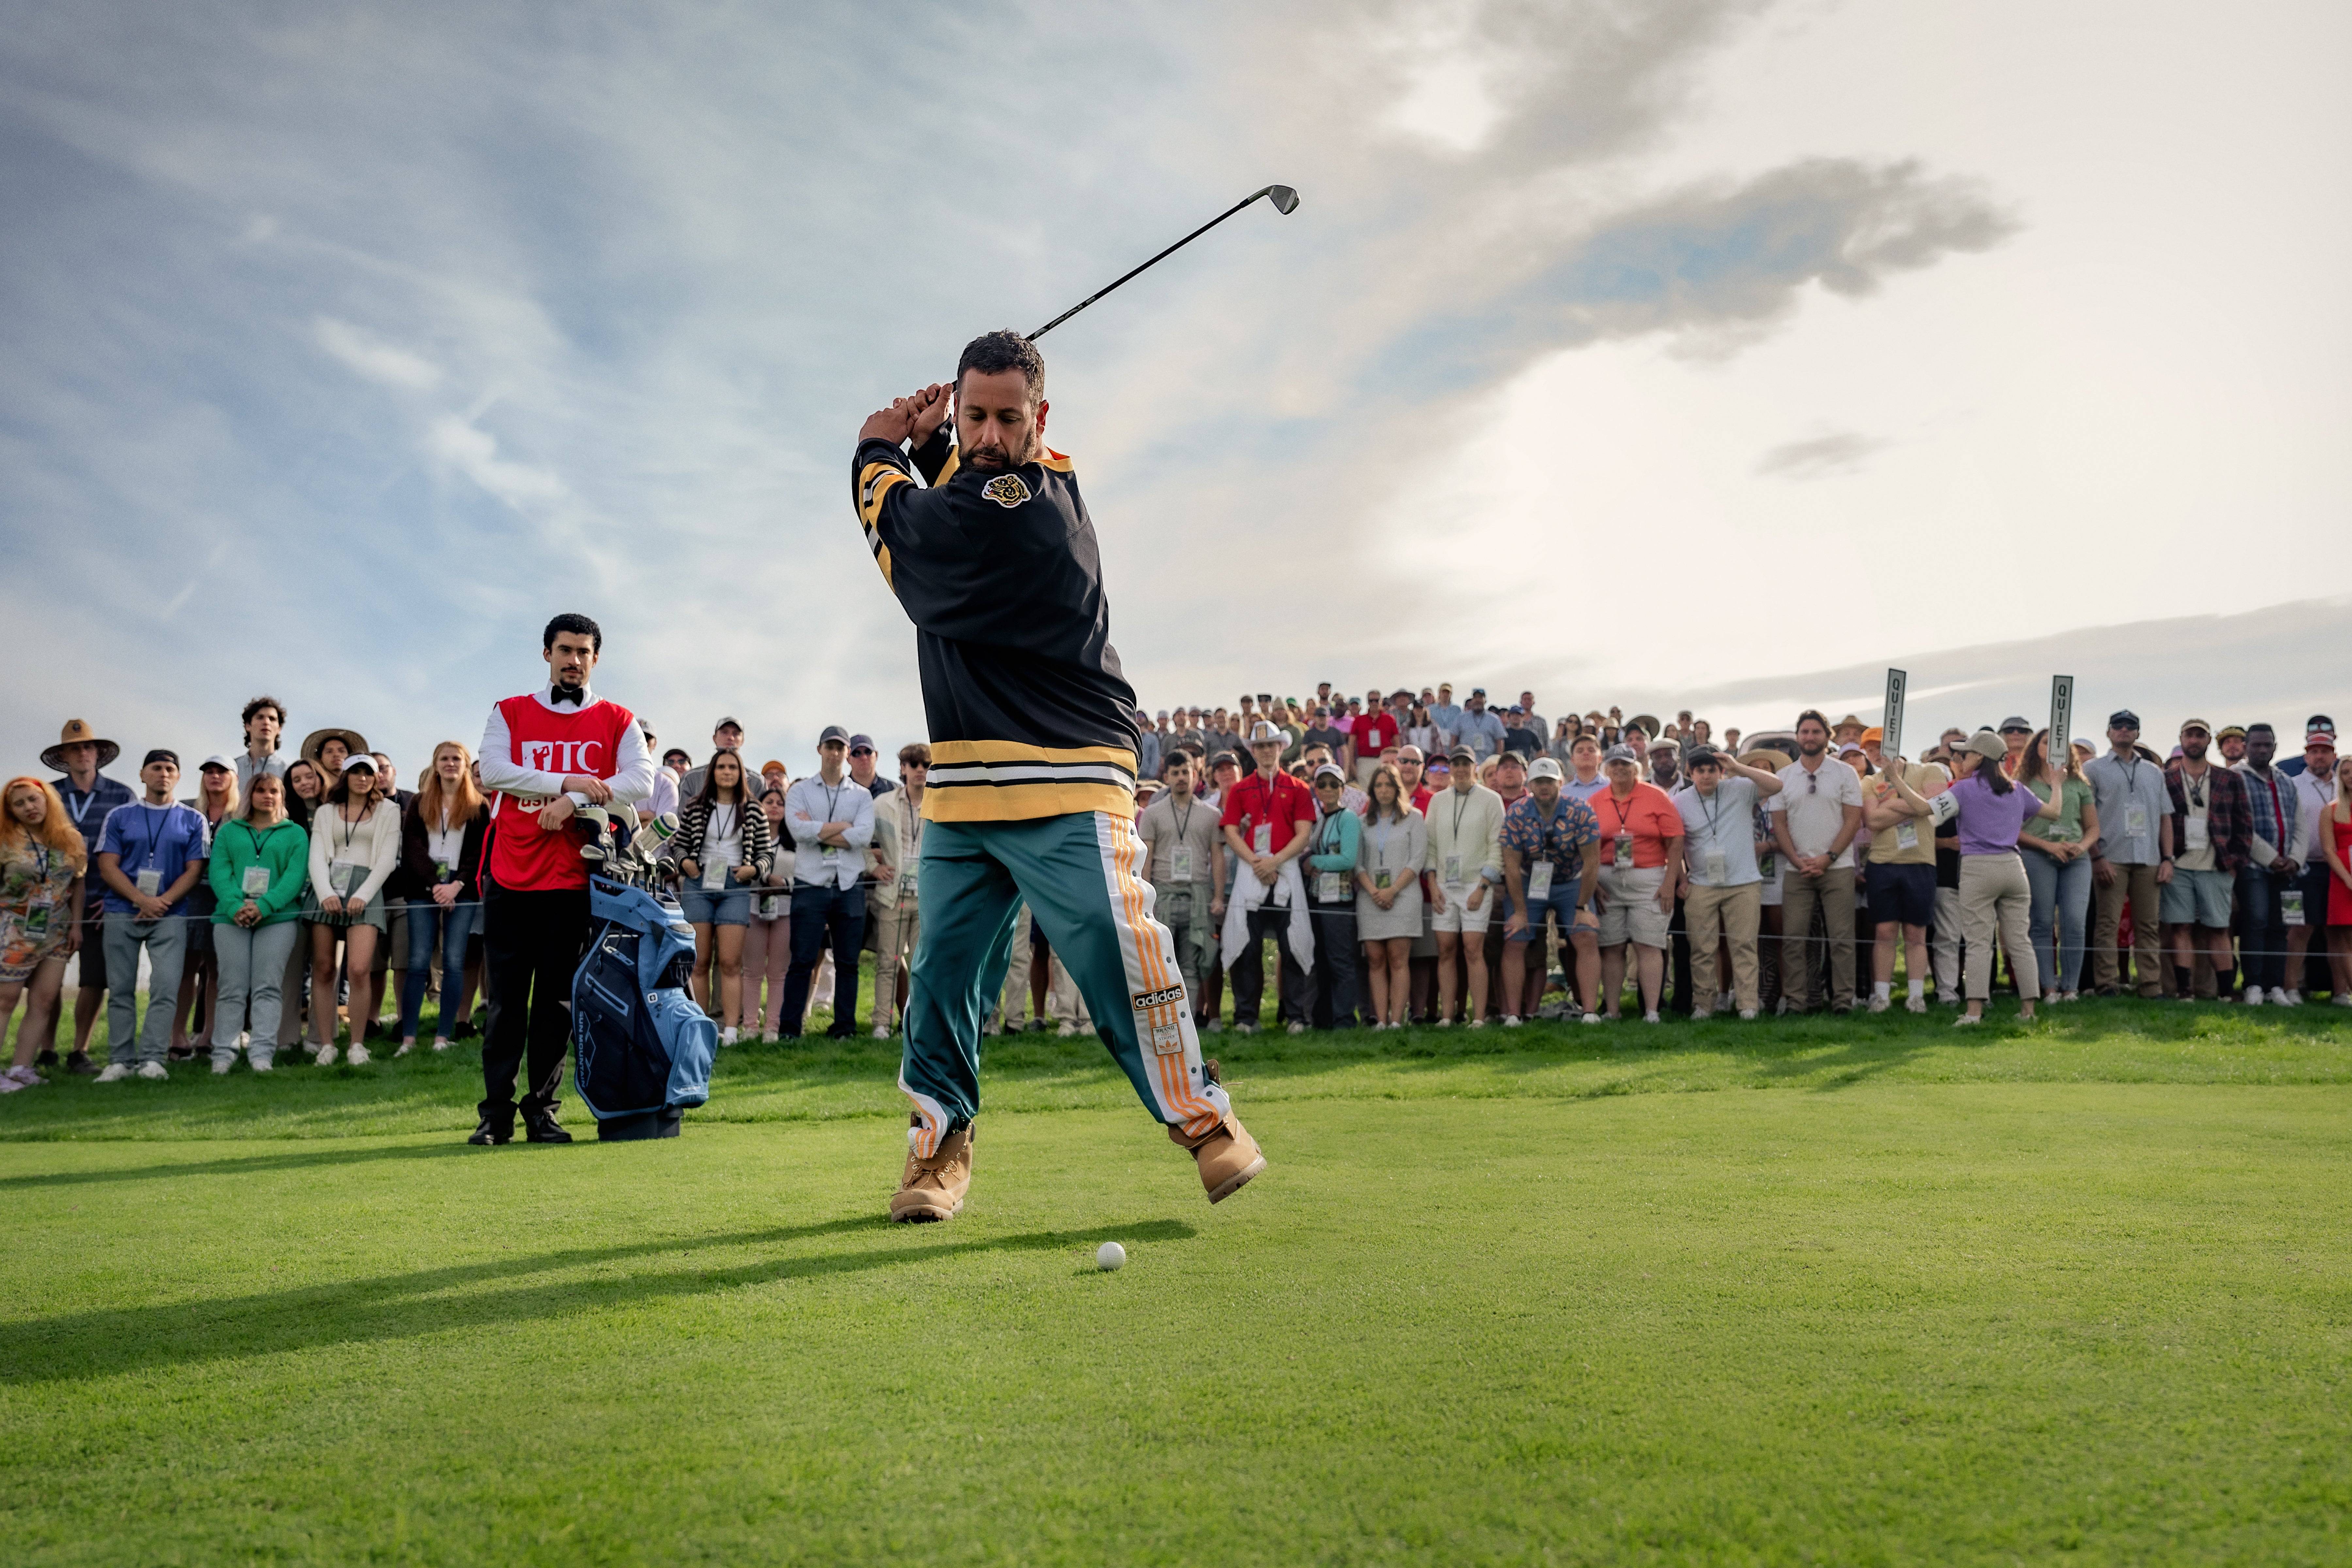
x,y
2259,726
1815,715
572,621
257,705
992,353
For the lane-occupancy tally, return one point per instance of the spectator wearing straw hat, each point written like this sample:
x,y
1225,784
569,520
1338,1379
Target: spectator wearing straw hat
x,y
151,854
89,798
328,750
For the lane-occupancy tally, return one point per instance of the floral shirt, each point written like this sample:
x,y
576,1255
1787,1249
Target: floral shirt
x,y
1561,841
33,876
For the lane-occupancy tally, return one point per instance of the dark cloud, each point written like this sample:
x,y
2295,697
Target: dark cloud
x,y
1820,457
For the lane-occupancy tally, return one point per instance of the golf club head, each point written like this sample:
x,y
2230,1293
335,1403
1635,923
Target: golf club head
x,y
1285,199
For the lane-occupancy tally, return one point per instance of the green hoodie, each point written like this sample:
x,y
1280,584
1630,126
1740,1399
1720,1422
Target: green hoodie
x,y
283,848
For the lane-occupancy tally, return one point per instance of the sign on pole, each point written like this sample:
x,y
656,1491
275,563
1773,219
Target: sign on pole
x,y
1891,742
2062,719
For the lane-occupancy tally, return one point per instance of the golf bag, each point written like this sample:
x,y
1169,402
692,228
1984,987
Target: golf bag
x,y
640,1049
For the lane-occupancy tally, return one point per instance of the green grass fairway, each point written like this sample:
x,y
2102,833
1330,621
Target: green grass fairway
x,y
1853,1292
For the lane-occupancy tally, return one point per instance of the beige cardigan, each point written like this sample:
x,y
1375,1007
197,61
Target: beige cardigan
x,y
374,842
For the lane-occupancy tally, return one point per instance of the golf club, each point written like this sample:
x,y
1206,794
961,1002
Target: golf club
x,y
1286,201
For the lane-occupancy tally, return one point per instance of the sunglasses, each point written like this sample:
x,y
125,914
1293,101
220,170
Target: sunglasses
x,y
861,751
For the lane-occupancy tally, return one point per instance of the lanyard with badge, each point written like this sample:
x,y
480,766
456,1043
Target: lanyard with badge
x,y
1540,875
150,878
832,806
345,874
2134,810
1454,862
1622,859
42,899
1714,866
912,868
1907,832
722,823
1180,853
1380,833
254,880
1330,886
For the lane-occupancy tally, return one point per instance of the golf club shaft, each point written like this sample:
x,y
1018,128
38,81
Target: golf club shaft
x,y
1147,266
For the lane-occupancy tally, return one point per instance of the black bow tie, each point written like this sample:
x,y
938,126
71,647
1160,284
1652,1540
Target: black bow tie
x,y
560,695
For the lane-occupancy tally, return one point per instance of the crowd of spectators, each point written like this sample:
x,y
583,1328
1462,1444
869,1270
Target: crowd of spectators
x,y
1413,861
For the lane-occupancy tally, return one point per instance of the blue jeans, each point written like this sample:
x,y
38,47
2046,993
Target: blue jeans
x,y
2062,900
456,924
2262,927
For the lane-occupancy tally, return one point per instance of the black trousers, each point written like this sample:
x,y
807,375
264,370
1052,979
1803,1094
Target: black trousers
x,y
531,945
1335,965
1247,971
825,916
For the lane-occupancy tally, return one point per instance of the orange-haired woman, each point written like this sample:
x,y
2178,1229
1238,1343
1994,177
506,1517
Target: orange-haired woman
x,y
42,859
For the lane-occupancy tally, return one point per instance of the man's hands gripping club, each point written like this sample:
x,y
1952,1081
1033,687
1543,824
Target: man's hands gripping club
x,y
913,417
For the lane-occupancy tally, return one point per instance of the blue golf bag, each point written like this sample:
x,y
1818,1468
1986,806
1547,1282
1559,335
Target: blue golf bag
x,y
640,1049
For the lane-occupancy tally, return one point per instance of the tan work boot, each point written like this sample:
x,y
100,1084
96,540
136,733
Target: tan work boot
x,y
934,1189
1228,1156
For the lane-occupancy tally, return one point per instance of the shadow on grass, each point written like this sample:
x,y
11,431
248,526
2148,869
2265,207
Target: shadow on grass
x,y
332,1153
109,1341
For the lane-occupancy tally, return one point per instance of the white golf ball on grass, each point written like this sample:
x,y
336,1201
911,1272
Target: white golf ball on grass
x,y
1110,1255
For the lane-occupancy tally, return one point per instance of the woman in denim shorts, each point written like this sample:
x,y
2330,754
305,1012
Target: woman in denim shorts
x,y
723,847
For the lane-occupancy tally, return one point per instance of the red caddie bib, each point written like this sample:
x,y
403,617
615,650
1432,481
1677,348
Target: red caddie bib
x,y
524,857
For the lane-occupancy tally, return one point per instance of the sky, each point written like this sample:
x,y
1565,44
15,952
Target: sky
x,y
1709,353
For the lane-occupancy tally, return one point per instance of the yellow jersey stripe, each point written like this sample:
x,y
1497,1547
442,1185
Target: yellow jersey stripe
x,y
952,751
1025,802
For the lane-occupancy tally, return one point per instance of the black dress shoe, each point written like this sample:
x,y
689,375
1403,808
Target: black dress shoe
x,y
47,1058
539,1126
491,1132
80,1066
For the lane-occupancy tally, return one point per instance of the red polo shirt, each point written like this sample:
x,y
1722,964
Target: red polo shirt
x,y
1285,804
1373,734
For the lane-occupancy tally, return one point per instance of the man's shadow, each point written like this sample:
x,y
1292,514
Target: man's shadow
x,y
105,1341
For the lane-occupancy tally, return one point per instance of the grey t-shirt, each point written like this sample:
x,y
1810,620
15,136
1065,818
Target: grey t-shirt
x,y
1162,826
2132,800
1721,824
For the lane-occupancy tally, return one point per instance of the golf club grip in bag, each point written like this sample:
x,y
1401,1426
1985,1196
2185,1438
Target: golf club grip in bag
x,y
640,1049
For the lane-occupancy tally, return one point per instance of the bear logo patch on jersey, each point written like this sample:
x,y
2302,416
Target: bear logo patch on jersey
x,y
1006,489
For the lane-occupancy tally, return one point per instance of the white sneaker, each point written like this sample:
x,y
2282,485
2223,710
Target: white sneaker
x,y
440,1042
1594,1019
113,1072
1478,1023
1296,1029
326,1057
1243,1028
2293,998
2342,1000
881,1031
1649,1017
1510,1020
259,1064
2281,998
1879,1004
1701,1014
220,1066
1213,1026
1067,1030
1966,1019
2253,996
245,1040
1445,1023
1748,1014
153,1070
767,1037
358,1056
405,1047
726,1036
1915,1004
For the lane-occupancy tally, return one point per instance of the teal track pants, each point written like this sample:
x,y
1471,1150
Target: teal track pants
x,y
1082,876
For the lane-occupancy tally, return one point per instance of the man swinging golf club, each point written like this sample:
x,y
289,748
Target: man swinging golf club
x,y
1032,767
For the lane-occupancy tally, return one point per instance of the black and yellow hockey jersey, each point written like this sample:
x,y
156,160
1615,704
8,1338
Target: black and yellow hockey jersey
x,y
1029,713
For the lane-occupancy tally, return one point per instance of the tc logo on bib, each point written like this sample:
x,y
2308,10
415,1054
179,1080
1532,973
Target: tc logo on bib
x,y
1006,489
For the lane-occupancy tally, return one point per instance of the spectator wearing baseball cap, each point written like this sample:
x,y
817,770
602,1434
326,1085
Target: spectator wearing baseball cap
x,y
863,762
90,797
2319,727
1641,868
1268,819
1481,727
727,735
2134,858
1335,847
149,856
2269,871
2212,833
2314,792
1551,863
2015,731
832,822
1465,859
1815,818
1723,886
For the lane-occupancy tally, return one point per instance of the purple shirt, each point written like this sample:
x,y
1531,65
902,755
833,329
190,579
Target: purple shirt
x,y
1988,823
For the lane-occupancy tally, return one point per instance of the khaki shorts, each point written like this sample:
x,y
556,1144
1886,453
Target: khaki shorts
x,y
1456,916
1629,906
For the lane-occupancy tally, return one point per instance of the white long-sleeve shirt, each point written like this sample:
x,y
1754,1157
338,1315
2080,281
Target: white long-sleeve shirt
x,y
812,803
632,778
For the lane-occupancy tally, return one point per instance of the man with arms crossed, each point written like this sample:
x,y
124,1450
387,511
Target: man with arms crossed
x,y
1032,790
545,755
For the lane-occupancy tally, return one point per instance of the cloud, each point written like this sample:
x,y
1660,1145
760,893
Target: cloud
x,y
374,359
1820,456
473,452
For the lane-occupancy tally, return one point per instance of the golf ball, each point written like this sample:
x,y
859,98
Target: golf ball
x,y
1110,1255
